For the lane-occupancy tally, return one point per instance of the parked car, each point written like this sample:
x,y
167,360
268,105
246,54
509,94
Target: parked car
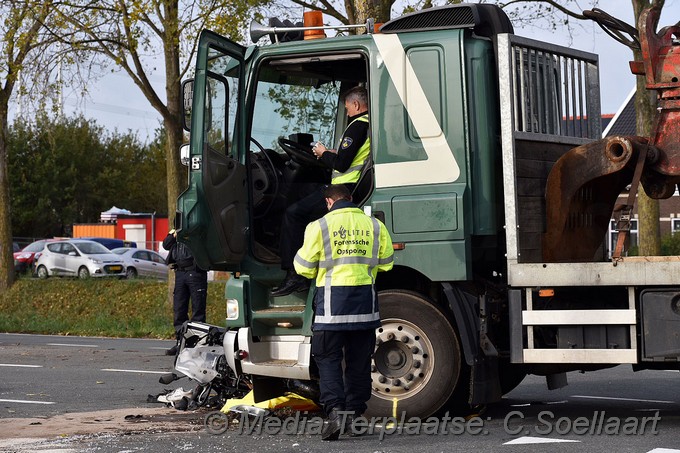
x,y
142,263
26,257
79,257
111,243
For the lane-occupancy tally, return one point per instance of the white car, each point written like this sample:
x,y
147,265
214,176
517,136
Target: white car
x,y
79,257
142,263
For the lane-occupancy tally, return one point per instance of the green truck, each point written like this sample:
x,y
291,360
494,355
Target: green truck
x,y
495,275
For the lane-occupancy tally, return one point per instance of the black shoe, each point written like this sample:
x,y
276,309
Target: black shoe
x,y
171,351
350,429
332,426
292,284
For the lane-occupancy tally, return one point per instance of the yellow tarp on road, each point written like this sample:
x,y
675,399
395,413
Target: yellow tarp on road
x,y
289,400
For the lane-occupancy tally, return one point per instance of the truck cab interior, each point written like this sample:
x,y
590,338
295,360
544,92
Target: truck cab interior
x,y
297,101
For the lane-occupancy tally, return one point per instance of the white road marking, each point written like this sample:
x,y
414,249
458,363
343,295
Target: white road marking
x,y
663,450
20,366
537,440
621,399
158,347
134,371
27,402
74,345
538,402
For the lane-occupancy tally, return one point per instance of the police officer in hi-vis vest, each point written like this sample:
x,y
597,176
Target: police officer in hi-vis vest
x,y
346,162
344,250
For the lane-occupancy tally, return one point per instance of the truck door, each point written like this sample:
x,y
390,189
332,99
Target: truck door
x,y
212,216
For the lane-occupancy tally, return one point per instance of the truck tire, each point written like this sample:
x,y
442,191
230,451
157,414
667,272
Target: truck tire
x,y
417,357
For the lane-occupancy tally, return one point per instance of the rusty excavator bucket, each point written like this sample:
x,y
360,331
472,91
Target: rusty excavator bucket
x,y
584,184
581,192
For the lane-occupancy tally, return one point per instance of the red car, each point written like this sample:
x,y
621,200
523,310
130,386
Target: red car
x,y
24,259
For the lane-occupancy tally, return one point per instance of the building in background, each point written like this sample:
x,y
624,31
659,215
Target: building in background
x,y
146,229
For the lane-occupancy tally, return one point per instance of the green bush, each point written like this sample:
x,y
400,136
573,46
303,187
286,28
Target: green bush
x,y
97,307
670,245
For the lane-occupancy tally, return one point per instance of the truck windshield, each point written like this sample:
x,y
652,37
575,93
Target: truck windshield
x,y
297,100
299,105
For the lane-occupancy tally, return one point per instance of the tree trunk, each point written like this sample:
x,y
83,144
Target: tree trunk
x,y
358,11
649,235
6,256
177,174
172,120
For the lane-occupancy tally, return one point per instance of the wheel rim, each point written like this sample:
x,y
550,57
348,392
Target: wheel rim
x,y
83,273
403,362
42,272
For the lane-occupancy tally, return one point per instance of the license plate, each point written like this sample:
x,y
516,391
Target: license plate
x,y
115,268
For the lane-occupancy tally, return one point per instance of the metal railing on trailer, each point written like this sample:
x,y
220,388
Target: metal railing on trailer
x,y
550,104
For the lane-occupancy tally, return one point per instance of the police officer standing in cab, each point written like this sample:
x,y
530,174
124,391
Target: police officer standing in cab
x,y
191,282
344,251
347,162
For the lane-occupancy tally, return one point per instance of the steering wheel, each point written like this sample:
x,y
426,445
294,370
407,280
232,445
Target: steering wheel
x,y
265,183
300,154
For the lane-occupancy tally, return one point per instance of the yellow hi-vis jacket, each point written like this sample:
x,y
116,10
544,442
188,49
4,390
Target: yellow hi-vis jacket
x,y
352,174
344,250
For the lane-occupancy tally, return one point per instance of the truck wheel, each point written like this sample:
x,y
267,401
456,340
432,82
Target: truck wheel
x,y
417,357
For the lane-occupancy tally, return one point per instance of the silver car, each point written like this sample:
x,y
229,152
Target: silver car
x,y
142,263
79,257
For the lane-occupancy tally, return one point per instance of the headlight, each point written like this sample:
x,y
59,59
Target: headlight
x,y
24,256
96,260
232,309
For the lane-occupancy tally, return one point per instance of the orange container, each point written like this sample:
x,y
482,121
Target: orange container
x,y
313,19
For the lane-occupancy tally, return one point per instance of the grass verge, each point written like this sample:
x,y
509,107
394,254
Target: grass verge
x,y
97,307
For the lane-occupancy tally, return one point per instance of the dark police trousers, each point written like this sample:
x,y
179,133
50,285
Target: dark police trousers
x,y
295,220
189,284
351,391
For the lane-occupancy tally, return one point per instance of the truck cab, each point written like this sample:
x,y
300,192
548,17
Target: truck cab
x,y
466,122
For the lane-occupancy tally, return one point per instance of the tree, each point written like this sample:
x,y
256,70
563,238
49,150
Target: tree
x,y
645,107
66,170
22,35
130,34
351,12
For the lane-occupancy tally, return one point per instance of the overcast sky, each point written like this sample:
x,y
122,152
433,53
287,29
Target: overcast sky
x,y
116,103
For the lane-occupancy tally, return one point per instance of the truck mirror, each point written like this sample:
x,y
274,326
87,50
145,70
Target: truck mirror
x,y
184,154
187,97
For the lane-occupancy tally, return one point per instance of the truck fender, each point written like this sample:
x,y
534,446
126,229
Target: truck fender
x,y
462,306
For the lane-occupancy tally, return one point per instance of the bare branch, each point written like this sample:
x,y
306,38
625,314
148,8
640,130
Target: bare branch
x,y
552,3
